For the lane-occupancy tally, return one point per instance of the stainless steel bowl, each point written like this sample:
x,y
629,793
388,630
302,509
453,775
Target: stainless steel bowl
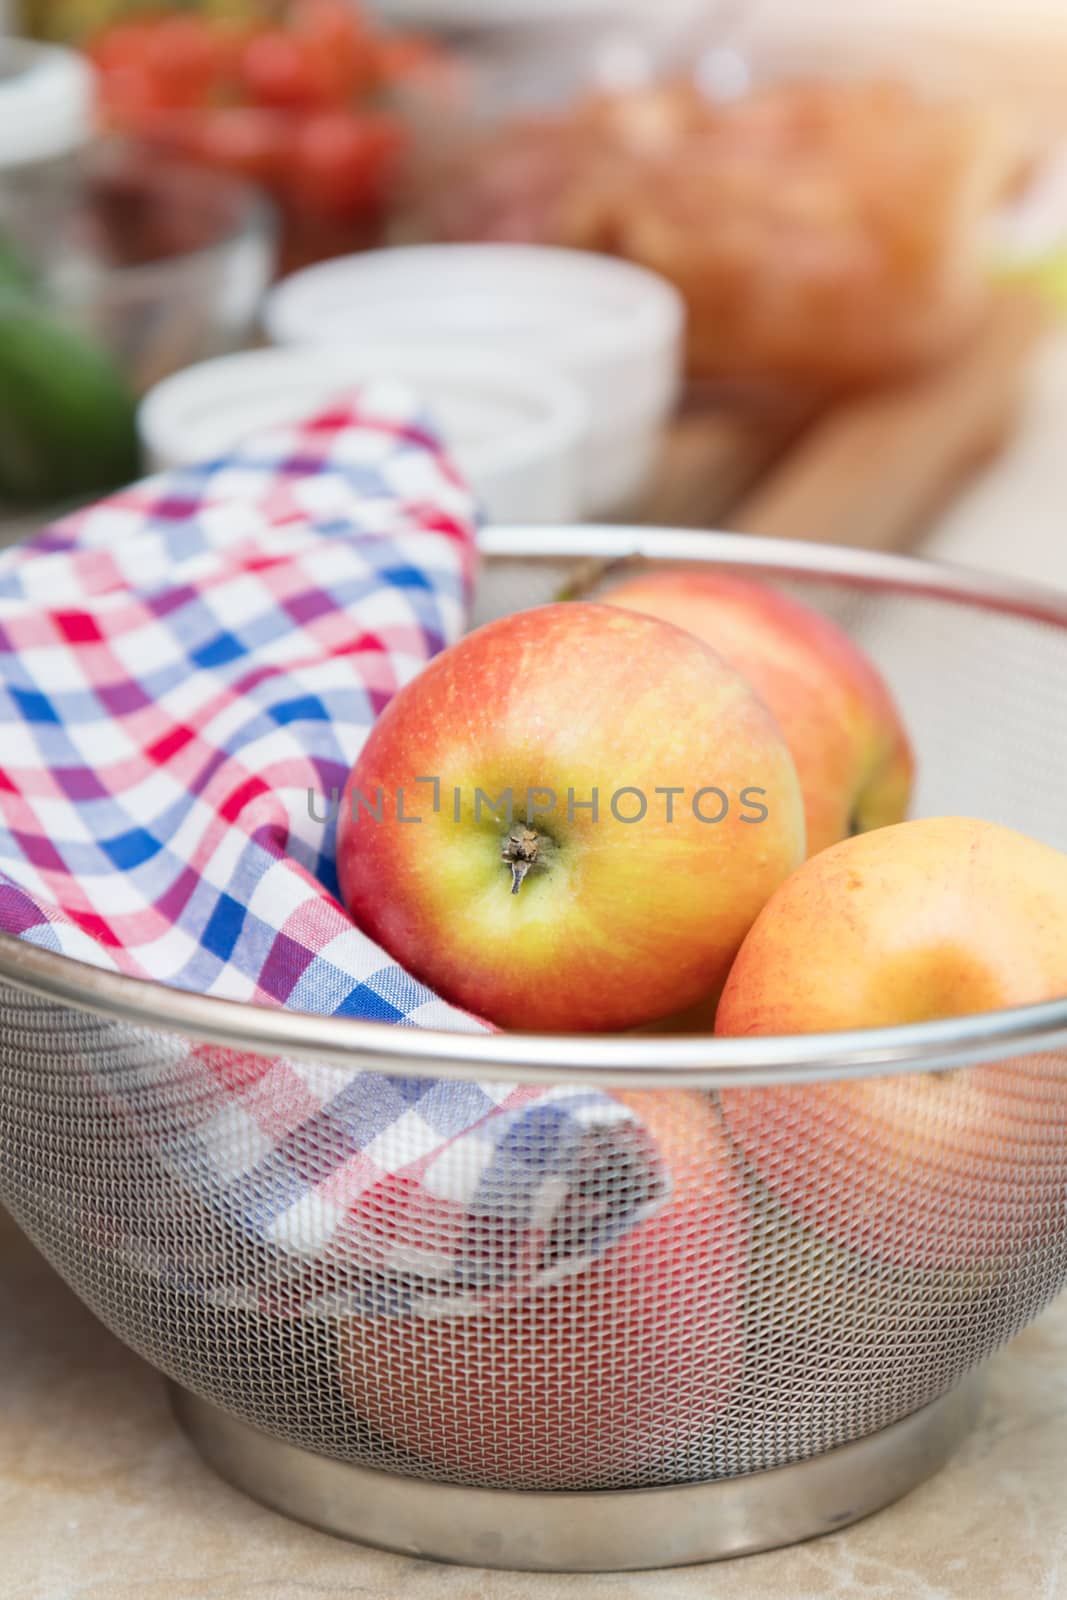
x,y
847,1238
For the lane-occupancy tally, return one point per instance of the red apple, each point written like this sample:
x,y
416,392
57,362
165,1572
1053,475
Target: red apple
x,y
929,919
838,716
621,1367
514,898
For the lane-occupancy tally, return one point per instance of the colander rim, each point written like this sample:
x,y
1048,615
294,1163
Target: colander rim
x,y
625,1060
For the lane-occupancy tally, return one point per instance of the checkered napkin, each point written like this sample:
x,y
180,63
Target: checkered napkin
x,y
187,672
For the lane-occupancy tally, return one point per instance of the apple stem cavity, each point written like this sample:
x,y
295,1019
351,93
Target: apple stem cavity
x,y
521,851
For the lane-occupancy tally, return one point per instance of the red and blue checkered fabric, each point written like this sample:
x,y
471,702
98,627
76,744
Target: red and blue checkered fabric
x,y
187,672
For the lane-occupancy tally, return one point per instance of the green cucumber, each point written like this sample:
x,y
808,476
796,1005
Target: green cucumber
x,y
67,416
15,271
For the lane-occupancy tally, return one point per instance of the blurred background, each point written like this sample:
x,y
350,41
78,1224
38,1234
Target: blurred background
x,y
817,252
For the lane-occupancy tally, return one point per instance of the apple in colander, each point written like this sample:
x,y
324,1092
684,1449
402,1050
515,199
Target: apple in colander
x,y
569,820
838,716
930,919
609,1376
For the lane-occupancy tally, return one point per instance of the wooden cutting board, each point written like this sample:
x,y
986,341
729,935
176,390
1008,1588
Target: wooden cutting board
x,y
872,470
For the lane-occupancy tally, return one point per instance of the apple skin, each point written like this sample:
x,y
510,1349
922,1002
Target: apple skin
x,y
623,922
630,1360
838,716
936,918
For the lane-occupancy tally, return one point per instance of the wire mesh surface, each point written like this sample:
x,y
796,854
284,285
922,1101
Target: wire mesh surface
x,y
830,1256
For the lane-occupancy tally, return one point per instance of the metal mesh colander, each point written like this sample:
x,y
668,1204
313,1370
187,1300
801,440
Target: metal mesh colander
x,y
848,1232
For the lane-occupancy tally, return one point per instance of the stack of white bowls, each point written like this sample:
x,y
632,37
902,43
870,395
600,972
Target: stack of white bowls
x,y
551,373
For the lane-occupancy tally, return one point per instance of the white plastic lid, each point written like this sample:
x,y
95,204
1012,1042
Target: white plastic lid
x,y
46,102
517,436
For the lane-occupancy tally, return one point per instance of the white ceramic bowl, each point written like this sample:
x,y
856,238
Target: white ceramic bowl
x,y
614,328
516,434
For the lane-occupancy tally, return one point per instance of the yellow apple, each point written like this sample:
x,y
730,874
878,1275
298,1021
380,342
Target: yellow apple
x,y
929,919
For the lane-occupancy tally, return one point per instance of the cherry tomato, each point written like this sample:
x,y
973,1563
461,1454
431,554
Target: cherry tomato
x,y
249,141
122,45
341,32
342,162
126,96
333,21
183,57
286,72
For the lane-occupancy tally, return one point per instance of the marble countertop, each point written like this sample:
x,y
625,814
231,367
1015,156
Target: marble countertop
x,y
101,1498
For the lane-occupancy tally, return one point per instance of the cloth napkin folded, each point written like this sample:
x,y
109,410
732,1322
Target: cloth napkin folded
x,y
187,672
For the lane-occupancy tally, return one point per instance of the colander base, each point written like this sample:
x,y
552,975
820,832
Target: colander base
x,y
602,1531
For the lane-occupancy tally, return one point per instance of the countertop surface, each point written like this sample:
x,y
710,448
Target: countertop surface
x,y
102,1499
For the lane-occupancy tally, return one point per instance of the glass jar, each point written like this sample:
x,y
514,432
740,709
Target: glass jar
x,y
45,122
117,267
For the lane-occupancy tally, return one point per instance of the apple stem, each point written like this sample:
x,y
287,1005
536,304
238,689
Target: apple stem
x,y
520,851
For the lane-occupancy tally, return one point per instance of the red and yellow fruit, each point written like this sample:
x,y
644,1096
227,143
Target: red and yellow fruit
x,y
625,913
842,727
628,1361
930,919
